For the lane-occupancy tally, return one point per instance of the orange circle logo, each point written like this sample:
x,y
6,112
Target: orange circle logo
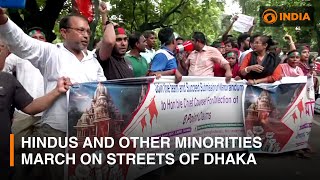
x,y
269,16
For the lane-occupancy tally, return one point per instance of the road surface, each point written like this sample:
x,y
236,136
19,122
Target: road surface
x,y
282,166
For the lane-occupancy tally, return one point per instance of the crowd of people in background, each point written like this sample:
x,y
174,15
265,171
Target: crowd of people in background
x,y
44,71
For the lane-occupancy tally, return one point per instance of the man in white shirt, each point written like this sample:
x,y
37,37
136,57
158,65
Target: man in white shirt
x,y
54,61
151,41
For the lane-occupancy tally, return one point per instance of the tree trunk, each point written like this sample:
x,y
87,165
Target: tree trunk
x,y
161,23
94,23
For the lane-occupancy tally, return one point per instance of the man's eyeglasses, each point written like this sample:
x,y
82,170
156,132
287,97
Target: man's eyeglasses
x,y
81,30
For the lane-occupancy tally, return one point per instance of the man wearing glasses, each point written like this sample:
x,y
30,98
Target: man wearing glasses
x,y
65,59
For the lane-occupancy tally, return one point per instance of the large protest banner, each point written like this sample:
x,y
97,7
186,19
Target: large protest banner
x,y
196,107
281,114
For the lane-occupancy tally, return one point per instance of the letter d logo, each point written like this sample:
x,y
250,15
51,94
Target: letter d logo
x,y
269,16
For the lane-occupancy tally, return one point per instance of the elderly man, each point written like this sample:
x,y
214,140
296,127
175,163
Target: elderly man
x,y
58,60
65,59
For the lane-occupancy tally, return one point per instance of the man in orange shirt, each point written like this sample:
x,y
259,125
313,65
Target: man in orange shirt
x,y
201,60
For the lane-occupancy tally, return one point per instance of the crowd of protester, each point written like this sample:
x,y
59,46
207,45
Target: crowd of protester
x,y
40,73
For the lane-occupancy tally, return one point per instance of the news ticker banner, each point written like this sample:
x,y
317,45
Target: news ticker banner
x,y
196,108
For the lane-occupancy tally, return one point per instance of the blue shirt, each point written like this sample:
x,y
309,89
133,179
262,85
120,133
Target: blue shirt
x,y
163,60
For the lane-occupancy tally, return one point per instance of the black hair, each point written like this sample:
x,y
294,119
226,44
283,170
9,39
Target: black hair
x,y
242,38
233,44
253,37
64,22
199,36
216,44
133,39
148,33
179,38
166,36
289,52
267,39
287,55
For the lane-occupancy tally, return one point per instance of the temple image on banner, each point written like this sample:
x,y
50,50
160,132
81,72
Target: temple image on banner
x,y
103,118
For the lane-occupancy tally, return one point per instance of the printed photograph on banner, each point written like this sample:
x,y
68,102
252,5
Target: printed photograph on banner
x,y
159,108
102,110
267,111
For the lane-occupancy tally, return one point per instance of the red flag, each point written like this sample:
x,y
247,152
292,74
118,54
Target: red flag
x,y
300,107
294,116
85,7
153,110
143,122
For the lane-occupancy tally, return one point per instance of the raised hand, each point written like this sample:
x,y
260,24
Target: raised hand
x,y
234,18
103,7
287,37
3,16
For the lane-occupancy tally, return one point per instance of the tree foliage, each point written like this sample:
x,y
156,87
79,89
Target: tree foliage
x,y
38,13
185,16
309,35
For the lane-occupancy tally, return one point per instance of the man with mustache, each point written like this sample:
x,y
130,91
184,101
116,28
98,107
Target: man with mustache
x,y
65,59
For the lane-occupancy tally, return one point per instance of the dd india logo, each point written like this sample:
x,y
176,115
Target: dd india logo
x,y
291,16
269,16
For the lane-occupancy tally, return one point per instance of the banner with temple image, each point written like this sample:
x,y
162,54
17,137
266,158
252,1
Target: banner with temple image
x,y
281,114
147,107
98,110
